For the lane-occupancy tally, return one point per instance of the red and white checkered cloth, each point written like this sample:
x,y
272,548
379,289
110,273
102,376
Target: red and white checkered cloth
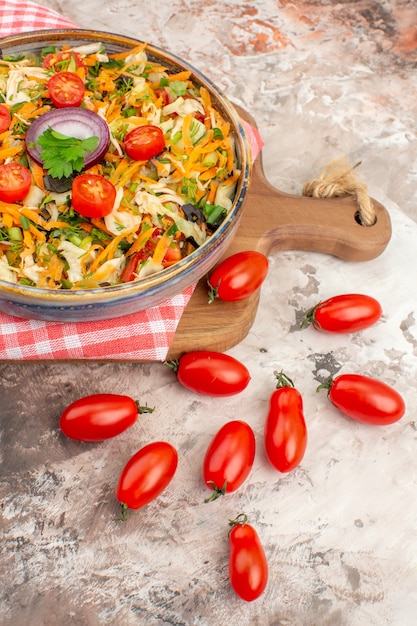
x,y
22,17
143,336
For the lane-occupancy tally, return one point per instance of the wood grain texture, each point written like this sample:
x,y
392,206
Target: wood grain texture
x,y
274,221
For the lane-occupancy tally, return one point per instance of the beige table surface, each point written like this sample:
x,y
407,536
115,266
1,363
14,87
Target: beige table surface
x,y
322,79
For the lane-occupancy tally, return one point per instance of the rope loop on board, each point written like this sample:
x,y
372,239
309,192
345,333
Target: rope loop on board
x,y
338,178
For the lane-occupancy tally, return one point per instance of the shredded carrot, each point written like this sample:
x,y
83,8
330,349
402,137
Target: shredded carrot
x,y
6,153
86,226
161,248
34,216
206,100
39,235
129,173
8,220
185,75
28,239
186,126
113,112
122,55
122,167
95,169
56,224
41,110
140,242
212,191
37,174
109,250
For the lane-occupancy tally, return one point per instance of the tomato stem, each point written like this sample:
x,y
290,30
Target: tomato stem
x,y
310,316
145,409
124,511
283,380
241,519
174,364
213,292
326,385
216,491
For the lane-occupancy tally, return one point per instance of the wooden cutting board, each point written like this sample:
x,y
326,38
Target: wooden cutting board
x,y
274,221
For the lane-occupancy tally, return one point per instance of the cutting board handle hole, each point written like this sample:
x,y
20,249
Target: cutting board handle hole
x,y
358,219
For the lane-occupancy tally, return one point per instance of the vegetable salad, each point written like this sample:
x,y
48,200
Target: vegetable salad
x,y
84,218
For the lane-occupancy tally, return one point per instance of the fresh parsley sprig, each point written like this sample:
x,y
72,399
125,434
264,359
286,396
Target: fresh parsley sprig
x,y
62,155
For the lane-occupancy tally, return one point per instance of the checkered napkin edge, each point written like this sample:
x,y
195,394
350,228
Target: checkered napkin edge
x,y
19,17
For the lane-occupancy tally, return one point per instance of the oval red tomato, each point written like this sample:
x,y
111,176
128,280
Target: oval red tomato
x,y
248,565
211,373
93,195
144,142
5,118
15,182
238,276
229,458
98,416
66,89
365,399
346,313
285,435
146,475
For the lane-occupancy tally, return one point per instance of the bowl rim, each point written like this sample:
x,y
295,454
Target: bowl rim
x,y
79,36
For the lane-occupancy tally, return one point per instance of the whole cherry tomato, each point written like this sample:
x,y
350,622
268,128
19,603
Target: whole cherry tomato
x,y
365,399
285,435
229,458
144,142
238,276
5,118
345,313
248,566
146,475
211,373
99,416
93,195
66,89
15,182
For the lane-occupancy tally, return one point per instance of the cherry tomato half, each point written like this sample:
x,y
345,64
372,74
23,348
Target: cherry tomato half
x,y
130,270
15,182
5,118
211,373
172,255
285,435
66,89
162,94
144,142
93,195
63,61
238,276
98,416
346,313
248,566
229,458
365,399
146,475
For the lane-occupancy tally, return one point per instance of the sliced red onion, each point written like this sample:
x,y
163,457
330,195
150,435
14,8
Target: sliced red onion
x,y
73,122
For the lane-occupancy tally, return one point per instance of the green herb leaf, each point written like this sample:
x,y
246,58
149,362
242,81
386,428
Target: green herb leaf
x,y
63,155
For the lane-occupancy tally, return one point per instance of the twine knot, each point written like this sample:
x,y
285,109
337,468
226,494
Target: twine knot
x,y
337,179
